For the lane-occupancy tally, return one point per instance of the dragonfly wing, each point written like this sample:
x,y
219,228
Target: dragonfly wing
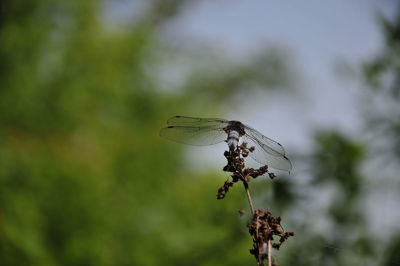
x,y
270,146
198,136
197,122
265,155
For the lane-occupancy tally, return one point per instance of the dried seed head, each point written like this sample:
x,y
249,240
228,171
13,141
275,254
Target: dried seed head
x,y
271,175
263,226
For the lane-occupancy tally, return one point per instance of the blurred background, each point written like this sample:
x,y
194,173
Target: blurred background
x,y
85,87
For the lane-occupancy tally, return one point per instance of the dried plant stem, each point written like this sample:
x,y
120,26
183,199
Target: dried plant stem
x,y
259,261
269,253
263,226
246,187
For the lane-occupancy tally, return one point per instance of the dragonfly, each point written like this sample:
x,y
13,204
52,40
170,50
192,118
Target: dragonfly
x,y
208,131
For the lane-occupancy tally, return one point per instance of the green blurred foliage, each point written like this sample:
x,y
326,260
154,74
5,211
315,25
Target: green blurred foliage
x,y
336,160
86,180
392,254
382,76
336,163
84,177
344,240
376,71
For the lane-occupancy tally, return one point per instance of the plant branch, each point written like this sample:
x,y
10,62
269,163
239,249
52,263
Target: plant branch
x,y
269,253
263,226
246,187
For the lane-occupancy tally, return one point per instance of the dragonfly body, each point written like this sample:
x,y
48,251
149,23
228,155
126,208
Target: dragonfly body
x,y
234,130
208,131
233,139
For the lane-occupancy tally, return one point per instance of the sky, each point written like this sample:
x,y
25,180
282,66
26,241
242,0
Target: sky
x,y
318,34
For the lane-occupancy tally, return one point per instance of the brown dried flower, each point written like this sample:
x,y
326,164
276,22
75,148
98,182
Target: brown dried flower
x,y
263,227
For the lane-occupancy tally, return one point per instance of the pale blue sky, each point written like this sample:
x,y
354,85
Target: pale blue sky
x,y
318,33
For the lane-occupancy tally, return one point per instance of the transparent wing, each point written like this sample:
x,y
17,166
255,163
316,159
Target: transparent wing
x,y
266,155
197,122
270,146
198,136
